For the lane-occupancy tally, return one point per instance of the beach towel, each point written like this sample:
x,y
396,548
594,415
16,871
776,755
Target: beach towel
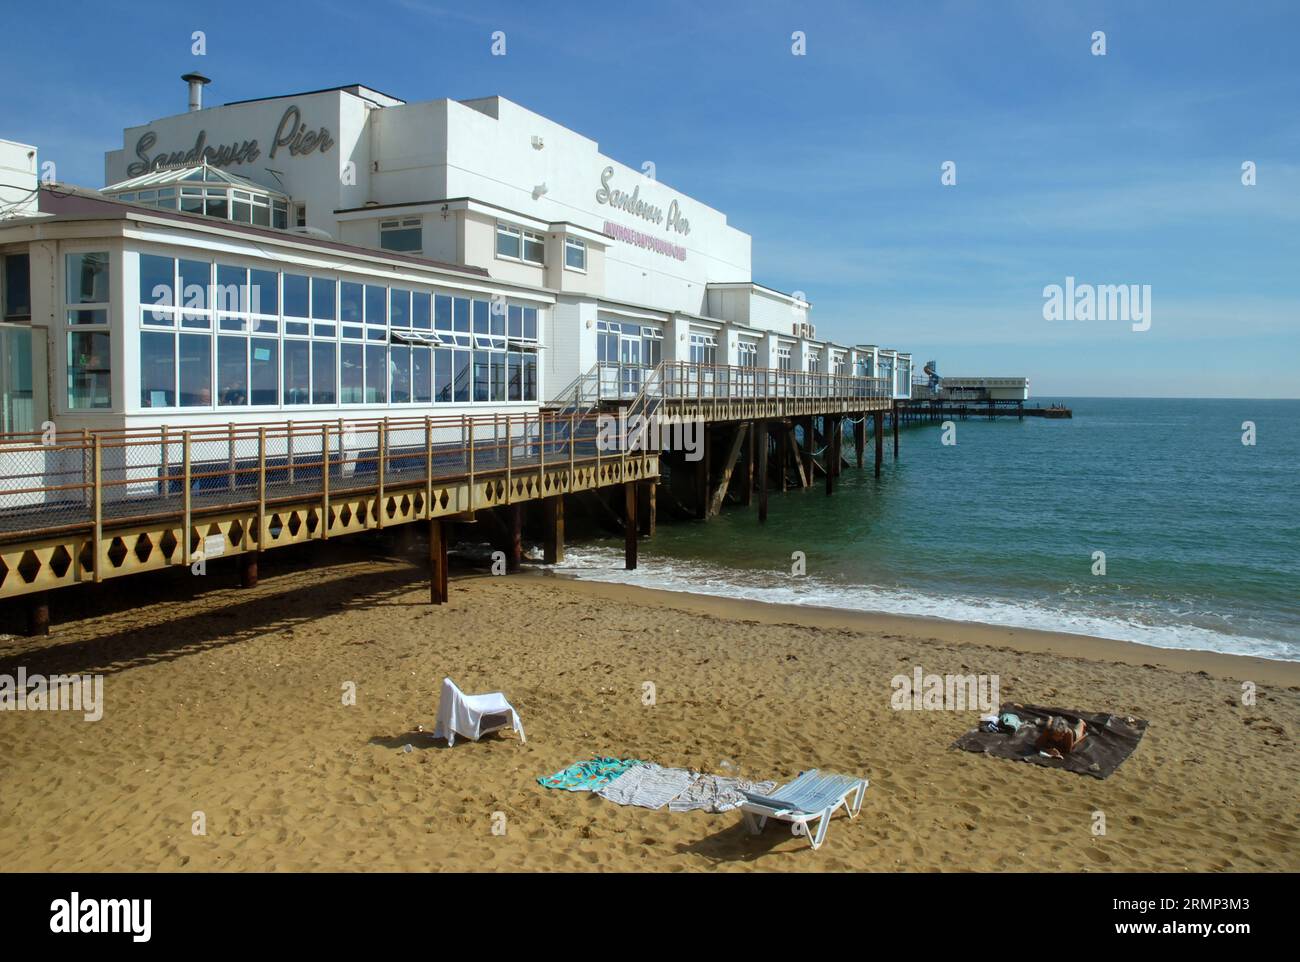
x,y
1110,739
647,786
717,793
588,776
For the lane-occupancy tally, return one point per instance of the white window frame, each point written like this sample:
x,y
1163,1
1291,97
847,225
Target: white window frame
x,y
576,244
523,238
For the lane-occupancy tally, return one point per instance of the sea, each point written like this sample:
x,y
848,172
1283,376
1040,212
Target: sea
x,y
1143,520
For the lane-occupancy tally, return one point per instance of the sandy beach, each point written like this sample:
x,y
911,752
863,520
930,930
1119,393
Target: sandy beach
x,y
229,702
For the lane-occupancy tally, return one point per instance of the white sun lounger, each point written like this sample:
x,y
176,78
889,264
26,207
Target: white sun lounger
x,y
473,716
812,797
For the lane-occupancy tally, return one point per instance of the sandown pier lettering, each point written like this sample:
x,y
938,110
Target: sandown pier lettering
x,y
633,204
290,133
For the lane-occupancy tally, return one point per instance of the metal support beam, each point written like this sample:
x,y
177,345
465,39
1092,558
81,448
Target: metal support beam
x,y
248,569
893,419
860,438
760,439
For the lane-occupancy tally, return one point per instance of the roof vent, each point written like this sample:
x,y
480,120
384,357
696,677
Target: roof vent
x,y
196,82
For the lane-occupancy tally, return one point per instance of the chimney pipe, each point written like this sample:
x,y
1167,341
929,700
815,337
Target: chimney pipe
x,y
196,82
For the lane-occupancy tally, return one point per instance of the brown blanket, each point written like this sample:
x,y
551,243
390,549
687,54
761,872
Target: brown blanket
x,y
1110,739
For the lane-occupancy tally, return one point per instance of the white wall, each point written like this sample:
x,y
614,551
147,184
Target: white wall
x,y
18,179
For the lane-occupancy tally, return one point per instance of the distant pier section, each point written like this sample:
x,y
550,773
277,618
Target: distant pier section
x,y
940,399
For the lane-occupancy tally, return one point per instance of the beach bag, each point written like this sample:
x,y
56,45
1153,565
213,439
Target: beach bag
x,y
1061,734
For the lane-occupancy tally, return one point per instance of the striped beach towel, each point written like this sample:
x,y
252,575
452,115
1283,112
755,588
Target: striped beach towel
x,y
648,786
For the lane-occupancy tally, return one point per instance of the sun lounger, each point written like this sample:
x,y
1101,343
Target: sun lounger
x,y
812,797
473,716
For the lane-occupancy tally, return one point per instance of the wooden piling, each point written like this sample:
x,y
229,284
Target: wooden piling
x,y
38,614
647,508
878,426
747,469
629,525
830,455
437,562
514,536
553,525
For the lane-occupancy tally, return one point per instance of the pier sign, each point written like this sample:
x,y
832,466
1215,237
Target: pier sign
x,y
291,133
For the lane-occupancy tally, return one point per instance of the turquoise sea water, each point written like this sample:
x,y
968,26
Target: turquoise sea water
x,y
1201,533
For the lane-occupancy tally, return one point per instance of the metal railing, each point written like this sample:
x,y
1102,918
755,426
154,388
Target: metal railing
x,y
691,381
93,479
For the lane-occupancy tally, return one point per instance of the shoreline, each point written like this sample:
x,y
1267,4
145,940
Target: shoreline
x,y
1027,640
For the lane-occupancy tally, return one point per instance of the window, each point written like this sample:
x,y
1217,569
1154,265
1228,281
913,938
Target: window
x,y
87,284
704,348
323,375
232,371
401,235
352,378
157,369
518,244
17,287
90,363
783,359
299,215
297,372
509,242
575,254
194,287
747,353
158,290
534,248
265,371
399,368
195,370
376,373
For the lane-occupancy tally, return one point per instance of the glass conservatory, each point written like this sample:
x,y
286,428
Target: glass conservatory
x,y
206,190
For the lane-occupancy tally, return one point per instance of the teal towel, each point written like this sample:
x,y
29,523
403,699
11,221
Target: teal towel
x,y
588,776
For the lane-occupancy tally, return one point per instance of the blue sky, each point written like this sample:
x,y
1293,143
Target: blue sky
x,y
1115,169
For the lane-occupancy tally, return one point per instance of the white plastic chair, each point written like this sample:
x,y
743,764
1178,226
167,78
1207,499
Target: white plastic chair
x,y
473,716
